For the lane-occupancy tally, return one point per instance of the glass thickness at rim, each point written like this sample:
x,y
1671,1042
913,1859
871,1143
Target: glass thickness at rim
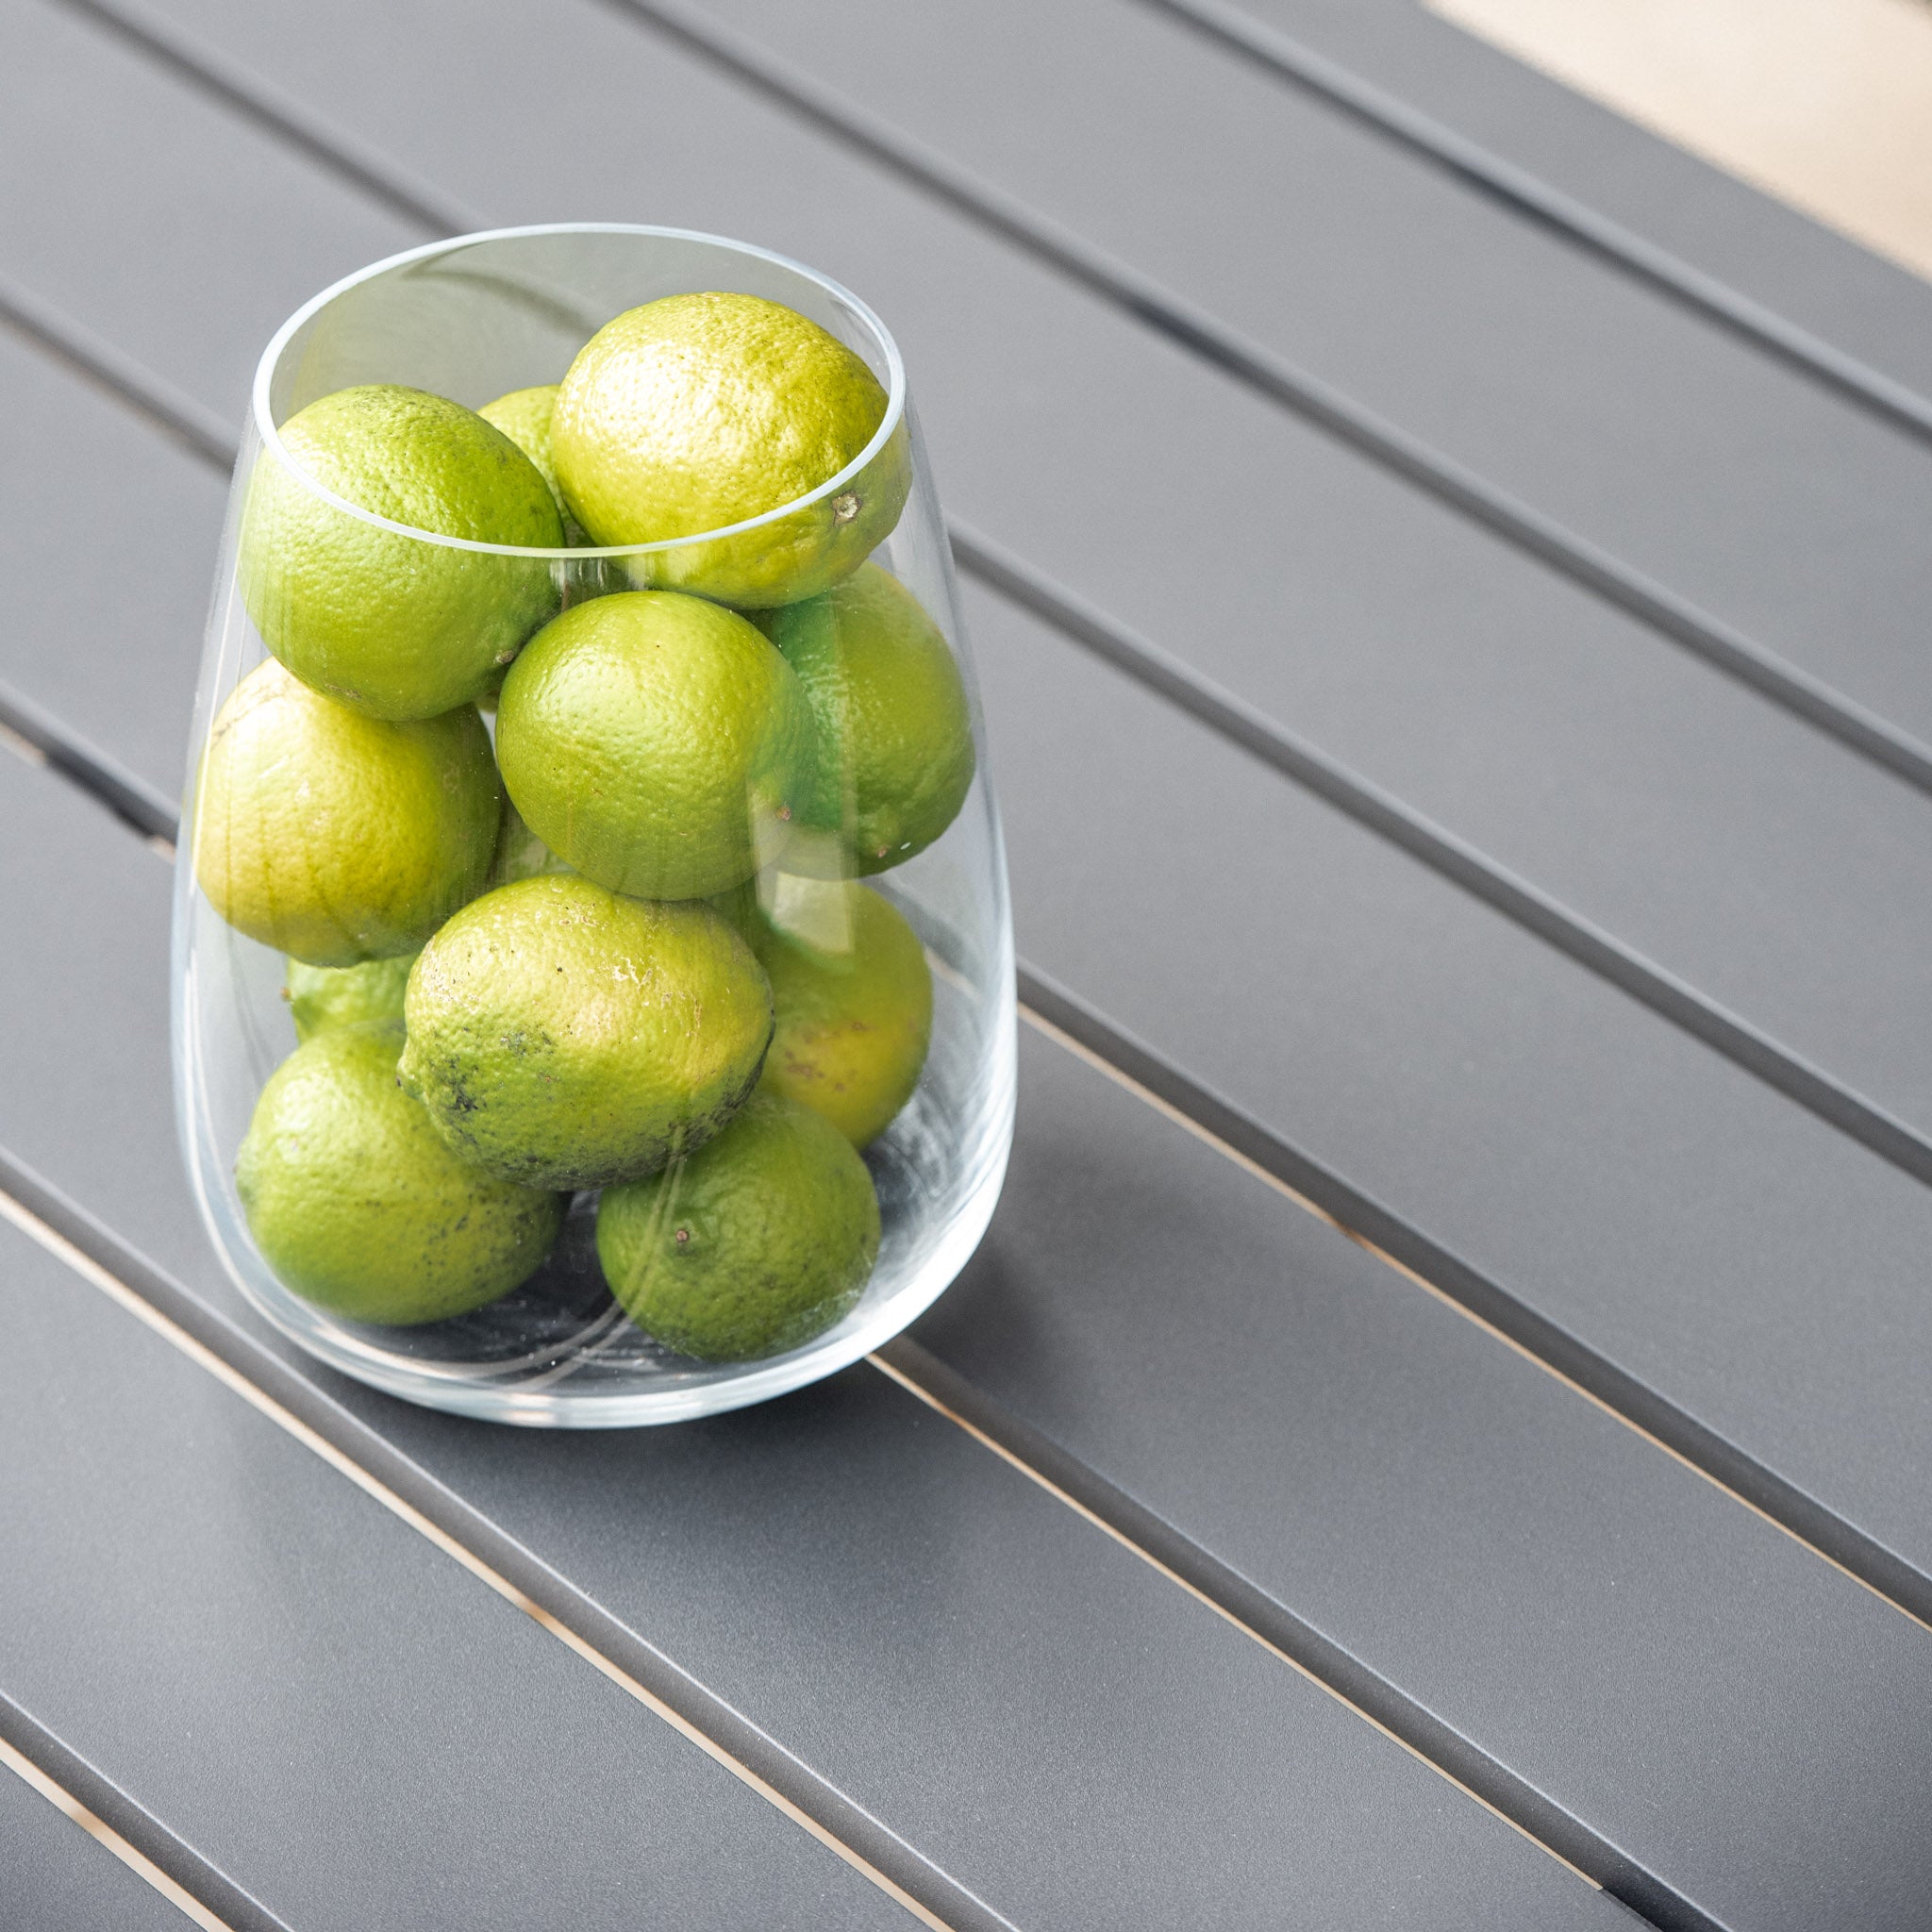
x,y
270,431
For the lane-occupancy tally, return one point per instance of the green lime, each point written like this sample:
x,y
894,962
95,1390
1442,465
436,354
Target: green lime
x,y
320,997
854,1000
564,1036
359,1207
336,837
753,1244
894,734
523,416
696,413
394,625
656,742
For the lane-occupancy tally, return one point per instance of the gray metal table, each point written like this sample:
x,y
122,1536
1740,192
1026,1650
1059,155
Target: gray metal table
x,y
1434,1435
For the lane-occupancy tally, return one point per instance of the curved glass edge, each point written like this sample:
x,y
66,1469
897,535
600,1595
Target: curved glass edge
x,y
269,372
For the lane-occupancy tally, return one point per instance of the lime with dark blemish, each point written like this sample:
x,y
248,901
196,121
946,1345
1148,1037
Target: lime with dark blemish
x,y
563,1036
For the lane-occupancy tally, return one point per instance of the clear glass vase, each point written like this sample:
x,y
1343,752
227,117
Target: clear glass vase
x,y
576,1013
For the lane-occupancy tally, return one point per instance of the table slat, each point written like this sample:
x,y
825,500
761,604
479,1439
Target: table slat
x,y
107,532
1570,385
324,1706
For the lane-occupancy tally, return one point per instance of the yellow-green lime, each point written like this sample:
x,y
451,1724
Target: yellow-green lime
x,y
320,997
356,1204
523,416
854,1000
656,742
395,625
751,1246
335,837
894,734
696,413
565,1037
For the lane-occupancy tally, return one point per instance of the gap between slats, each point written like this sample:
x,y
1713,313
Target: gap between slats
x,y
243,1914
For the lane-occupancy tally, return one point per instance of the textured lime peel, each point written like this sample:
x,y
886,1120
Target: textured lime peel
x,y
335,837
753,1246
564,1036
379,621
697,412
356,1204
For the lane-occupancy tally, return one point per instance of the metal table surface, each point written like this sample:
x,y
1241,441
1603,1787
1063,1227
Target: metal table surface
x,y
1435,1435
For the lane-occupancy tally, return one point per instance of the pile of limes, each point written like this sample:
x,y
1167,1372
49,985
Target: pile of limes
x,y
624,946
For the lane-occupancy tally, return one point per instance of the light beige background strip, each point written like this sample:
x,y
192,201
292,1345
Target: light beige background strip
x,y
1826,103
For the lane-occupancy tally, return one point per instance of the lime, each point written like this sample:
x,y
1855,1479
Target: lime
x,y
656,742
854,1000
564,1036
337,837
523,416
320,997
696,413
395,625
359,1207
894,734
752,1245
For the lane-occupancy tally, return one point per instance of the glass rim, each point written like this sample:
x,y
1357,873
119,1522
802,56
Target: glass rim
x,y
271,357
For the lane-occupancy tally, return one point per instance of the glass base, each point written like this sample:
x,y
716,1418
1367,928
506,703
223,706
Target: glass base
x,y
559,1353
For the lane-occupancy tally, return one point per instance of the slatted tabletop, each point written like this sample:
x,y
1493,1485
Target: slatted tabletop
x,y
1436,1434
